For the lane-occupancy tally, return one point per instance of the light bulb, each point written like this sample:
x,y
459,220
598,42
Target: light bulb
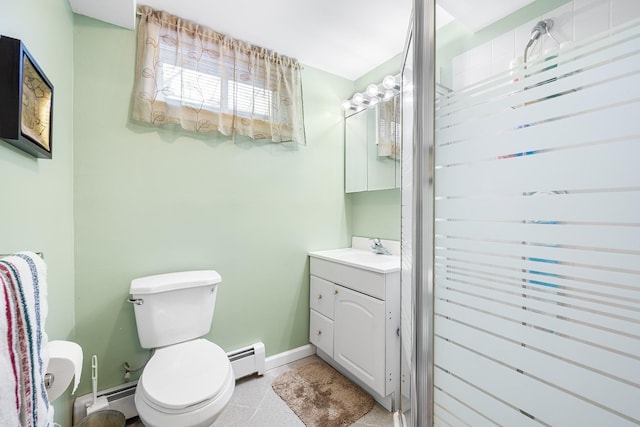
x,y
347,105
358,98
372,90
389,82
388,94
373,101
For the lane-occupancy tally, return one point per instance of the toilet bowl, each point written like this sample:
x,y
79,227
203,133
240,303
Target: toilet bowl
x,y
189,380
185,385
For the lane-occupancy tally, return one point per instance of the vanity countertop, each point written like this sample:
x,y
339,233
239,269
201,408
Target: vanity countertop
x,y
361,259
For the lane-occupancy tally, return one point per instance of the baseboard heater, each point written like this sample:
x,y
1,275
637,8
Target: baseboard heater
x,y
248,360
120,398
245,361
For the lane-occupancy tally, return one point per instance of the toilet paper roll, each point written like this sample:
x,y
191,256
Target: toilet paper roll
x,y
65,364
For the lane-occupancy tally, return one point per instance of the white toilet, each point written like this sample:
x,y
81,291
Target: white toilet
x,y
189,380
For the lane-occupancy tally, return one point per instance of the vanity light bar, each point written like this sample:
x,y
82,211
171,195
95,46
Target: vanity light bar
x,y
387,89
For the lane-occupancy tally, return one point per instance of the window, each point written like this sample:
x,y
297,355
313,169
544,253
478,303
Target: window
x,y
203,81
190,87
250,100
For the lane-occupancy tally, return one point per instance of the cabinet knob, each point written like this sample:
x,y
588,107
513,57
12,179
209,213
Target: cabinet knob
x,y
319,333
319,296
335,292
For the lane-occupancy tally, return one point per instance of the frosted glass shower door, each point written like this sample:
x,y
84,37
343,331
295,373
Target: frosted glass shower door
x,y
537,242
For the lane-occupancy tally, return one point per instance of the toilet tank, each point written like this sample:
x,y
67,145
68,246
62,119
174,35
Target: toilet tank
x,y
174,307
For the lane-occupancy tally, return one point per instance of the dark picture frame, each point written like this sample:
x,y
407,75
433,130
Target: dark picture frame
x,y
26,100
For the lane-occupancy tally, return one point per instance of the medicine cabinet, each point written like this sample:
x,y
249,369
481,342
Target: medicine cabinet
x,y
372,148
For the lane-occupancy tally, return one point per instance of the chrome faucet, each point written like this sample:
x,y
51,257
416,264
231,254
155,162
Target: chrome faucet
x,y
378,248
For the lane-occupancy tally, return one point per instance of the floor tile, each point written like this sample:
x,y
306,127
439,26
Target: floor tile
x,y
268,417
235,415
250,391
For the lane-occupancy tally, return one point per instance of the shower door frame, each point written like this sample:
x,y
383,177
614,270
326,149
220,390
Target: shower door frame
x,y
422,232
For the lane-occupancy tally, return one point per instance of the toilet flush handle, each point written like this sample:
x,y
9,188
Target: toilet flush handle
x,y
48,380
136,301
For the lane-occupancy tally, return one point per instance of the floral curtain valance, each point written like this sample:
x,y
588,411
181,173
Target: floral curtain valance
x,y
205,81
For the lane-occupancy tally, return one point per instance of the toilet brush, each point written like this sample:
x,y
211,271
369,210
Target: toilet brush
x,y
98,402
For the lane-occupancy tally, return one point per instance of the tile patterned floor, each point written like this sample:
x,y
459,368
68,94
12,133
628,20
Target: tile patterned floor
x,y
255,404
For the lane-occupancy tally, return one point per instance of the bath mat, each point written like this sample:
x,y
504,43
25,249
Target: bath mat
x,y
322,397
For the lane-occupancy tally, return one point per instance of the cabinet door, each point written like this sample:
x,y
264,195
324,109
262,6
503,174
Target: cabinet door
x,y
359,336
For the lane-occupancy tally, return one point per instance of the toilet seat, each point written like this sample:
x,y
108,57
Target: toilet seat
x,y
200,415
185,376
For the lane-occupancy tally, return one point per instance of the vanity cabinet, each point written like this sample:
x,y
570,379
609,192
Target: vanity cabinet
x,y
354,322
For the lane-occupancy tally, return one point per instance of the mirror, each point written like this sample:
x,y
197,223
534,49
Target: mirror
x,y
372,148
356,128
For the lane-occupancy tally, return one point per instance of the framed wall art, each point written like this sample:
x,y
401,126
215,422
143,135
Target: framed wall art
x,y
26,100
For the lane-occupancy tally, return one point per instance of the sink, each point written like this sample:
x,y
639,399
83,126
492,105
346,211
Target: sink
x,y
361,258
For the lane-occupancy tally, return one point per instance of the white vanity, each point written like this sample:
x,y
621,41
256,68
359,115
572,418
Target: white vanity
x,y
355,316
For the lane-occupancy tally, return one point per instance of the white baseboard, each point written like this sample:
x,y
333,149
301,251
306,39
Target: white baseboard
x,y
289,356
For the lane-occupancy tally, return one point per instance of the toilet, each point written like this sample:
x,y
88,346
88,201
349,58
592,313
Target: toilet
x,y
188,380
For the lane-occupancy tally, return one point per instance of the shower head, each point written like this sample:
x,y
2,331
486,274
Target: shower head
x,y
542,27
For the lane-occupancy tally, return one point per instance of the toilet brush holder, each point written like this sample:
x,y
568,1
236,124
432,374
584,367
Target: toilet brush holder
x,y
99,403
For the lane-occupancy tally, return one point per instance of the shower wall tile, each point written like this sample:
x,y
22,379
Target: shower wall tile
x,y
590,17
623,11
502,64
481,62
502,52
562,25
461,80
461,70
461,63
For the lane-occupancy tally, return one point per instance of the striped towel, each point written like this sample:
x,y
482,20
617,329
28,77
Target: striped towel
x,y
23,310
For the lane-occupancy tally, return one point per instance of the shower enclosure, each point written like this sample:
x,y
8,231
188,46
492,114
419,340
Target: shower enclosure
x,y
521,220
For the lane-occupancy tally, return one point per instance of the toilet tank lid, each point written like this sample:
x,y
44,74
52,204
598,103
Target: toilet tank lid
x,y
172,281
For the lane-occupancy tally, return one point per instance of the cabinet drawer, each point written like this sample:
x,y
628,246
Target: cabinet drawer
x,y
321,296
321,332
358,279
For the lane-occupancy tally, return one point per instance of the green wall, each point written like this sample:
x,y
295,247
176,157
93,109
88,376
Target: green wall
x,y
375,213
151,201
37,195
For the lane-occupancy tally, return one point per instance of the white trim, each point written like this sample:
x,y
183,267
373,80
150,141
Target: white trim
x,y
289,356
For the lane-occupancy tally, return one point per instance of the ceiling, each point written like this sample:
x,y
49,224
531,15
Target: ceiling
x,y
346,38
